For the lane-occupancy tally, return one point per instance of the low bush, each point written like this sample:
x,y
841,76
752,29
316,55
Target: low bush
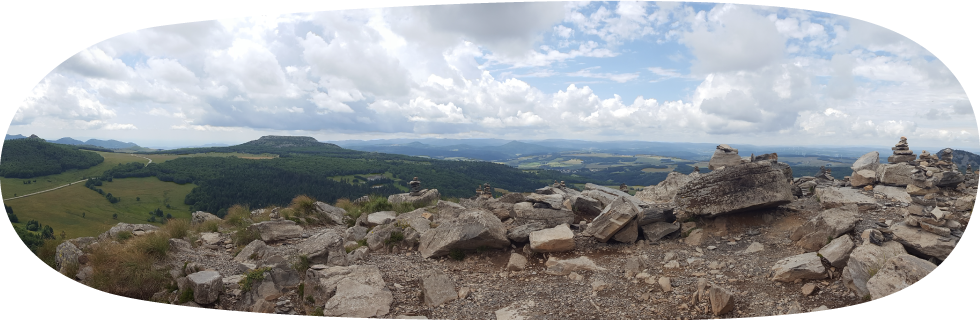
x,y
303,205
245,236
238,216
252,277
126,269
47,251
208,226
177,228
155,244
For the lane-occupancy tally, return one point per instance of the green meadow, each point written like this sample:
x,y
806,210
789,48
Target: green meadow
x,y
63,209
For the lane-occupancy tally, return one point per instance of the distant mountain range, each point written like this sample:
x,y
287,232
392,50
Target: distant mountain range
x,y
108,144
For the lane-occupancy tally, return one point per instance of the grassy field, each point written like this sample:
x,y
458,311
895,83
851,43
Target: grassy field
x,y
62,209
11,186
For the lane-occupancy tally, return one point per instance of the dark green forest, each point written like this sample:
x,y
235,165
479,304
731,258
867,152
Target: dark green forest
x,y
306,166
33,157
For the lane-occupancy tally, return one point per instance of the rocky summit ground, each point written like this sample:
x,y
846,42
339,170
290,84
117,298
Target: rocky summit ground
x,y
745,240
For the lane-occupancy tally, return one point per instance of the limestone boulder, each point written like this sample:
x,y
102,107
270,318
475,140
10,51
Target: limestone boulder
x,y
585,207
866,260
525,213
522,233
380,217
334,215
898,273
357,291
655,213
829,224
253,251
803,266
862,178
471,230
664,191
513,197
724,156
557,239
899,174
355,233
833,197
425,197
948,178
207,286
326,247
894,193
836,252
517,262
721,299
66,256
657,230
869,161
200,217
919,241
742,187
553,200
616,216
277,230
503,210
133,229
629,233
438,288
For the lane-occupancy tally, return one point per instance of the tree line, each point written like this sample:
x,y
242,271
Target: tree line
x,y
33,157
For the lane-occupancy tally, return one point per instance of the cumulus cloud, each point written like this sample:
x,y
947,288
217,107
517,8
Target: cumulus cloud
x,y
732,38
95,63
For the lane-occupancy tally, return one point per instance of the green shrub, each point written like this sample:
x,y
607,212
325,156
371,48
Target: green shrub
x,y
302,265
252,277
126,270
123,235
303,204
208,226
238,216
185,296
395,237
245,236
155,244
317,312
300,290
177,228
376,203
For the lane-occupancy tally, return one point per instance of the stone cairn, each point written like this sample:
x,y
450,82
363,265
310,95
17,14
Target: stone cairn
x,y
623,187
487,191
945,159
416,186
825,173
696,169
901,152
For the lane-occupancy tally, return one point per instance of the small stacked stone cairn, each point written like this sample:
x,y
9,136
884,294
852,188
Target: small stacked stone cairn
x,y
901,152
416,186
623,187
969,168
946,160
487,191
479,191
696,169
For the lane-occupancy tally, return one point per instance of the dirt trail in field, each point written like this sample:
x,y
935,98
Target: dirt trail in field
x,y
52,189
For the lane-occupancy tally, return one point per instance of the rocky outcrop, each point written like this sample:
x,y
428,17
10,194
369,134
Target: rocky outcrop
x,y
724,156
829,224
201,216
254,251
616,216
737,188
133,229
425,197
277,230
333,214
664,191
836,252
552,200
471,230
355,291
555,239
898,273
66,256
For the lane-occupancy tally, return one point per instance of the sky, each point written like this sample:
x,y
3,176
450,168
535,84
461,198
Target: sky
x,y
664,71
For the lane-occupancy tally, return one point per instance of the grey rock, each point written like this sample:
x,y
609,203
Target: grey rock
x,y
557,239
629,233
512,198
862,178
66,255
326,247
832,197
355,233
865,260
743,187
919,241
829,224
471,230
253,251
207,286
664,191
438,288
525,213
754,247
869,161
380,217
721,299
657,230
354,291
723,157
277,230
898,273
895,193
803,266
655,213
583,206
201,216
564,267
553,200
334,215
517,262
616,216
134,229
426,197
836,252
894,174
521,234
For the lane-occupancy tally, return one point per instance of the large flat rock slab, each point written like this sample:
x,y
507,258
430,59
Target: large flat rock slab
x,y
742,187
831,197
898,273
471,230
920,241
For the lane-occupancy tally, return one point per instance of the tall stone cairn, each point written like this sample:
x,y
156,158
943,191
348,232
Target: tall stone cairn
x,y
901,152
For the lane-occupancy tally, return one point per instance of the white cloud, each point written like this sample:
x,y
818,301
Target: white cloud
x,y
617,77
734,38
58,97
94,63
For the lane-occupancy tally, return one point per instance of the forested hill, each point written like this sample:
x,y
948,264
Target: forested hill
x,y
964,158
32,157
326,172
